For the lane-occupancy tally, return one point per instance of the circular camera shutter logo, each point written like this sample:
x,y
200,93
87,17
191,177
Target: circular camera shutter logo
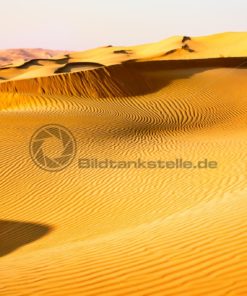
x,y
52,148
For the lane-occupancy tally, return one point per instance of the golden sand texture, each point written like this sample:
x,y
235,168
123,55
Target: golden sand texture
x,y
128,231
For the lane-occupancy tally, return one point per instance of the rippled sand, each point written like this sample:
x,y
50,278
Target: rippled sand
x,y
128,231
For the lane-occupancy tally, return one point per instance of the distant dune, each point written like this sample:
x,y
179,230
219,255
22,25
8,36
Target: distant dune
x,y
9,57
138,231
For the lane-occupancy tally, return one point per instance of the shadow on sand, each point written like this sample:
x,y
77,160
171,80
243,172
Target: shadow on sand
x,y
15,234
128,79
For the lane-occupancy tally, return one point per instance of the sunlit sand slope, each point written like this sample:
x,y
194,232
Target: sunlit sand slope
x,y
226,45
128,231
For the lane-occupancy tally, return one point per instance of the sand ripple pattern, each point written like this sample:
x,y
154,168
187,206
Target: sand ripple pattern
x,y
126,232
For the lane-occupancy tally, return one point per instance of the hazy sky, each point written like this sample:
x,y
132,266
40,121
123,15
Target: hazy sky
x,y
82,24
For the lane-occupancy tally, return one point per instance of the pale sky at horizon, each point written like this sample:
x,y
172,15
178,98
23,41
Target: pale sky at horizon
x,y
79,24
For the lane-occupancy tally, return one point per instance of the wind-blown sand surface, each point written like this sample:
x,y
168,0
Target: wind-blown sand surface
x,y
136,231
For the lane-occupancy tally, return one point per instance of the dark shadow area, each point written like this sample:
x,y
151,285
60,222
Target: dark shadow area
x,y
80,65
186,38
36,62
170,52
186,47
15,234
28,64
123,51
236,62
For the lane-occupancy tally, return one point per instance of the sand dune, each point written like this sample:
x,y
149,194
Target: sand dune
x,y
126,79
12,57
227,45
128,231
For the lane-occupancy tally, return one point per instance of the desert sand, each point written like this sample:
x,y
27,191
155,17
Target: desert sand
x,y
15,57
128,231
